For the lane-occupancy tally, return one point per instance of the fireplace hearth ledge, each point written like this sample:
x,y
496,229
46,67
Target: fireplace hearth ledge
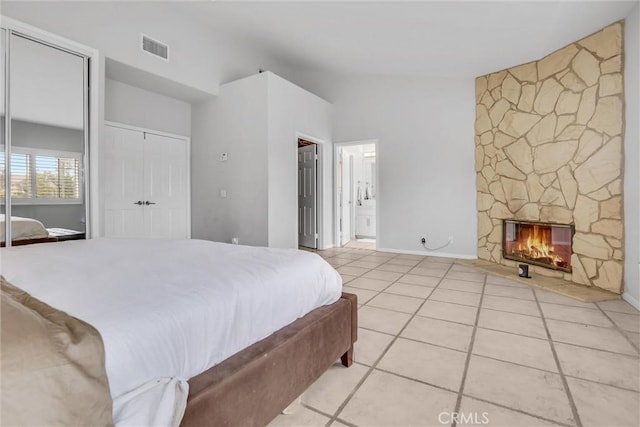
x,y
559,286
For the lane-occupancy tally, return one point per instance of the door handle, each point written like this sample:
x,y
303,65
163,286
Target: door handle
x,y
147,203
139,203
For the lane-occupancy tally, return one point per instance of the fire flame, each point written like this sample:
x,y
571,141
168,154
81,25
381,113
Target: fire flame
x,y
537,246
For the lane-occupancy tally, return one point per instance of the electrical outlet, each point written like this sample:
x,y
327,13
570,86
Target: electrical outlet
x,y
423,240
223,157
234,240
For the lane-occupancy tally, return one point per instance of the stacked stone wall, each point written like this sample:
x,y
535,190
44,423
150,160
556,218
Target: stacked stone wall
x,y
549,148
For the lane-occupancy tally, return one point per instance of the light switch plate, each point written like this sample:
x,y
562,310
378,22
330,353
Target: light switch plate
x,y
223,193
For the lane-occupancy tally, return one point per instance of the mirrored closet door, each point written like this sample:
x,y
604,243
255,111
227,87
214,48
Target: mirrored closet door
x,y
45,143
3,100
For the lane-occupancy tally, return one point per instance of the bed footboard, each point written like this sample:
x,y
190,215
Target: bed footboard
x,y
254,386
347,357
22,242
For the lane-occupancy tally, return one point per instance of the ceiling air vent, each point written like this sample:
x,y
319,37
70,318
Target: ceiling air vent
x,y
154,47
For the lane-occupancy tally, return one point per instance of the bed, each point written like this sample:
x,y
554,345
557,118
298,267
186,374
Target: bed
x,y
196,332
25,231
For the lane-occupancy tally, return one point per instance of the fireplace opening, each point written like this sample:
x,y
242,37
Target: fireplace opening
x,y
547,245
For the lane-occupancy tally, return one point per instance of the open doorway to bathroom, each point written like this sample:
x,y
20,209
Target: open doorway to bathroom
x,y
357,194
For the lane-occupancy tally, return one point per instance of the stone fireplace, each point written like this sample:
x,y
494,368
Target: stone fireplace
x,y
549,150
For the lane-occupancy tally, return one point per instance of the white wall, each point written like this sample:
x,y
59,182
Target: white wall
x,y
137,107
632,158
294,112
425,157
45,137
234,123
256,121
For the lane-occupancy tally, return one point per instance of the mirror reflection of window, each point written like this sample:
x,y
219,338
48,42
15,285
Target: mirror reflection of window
x,y
57,178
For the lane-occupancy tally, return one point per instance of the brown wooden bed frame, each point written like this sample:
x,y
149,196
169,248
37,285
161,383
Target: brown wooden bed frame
x,y
21,242
253,386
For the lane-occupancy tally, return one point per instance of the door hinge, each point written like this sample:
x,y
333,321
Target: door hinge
x,y
316,236
316,157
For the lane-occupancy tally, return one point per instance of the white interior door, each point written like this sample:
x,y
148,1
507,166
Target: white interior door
x,y
346,197
307,184
124,183
146,185
165,189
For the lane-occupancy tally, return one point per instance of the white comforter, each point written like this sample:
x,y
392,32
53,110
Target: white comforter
x,y
23,228
168,310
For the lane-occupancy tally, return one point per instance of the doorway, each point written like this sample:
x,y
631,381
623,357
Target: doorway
x,y
356,191
307,194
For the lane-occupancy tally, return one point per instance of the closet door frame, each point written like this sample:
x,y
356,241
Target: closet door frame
x,y
187,141
93,114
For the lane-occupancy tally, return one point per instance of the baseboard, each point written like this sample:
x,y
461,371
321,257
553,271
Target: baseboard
x,y
631,300
428,253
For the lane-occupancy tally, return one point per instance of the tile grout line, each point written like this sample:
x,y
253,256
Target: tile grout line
x,y
384,352
604,384
317,411
596,349
565,383
469,352
619,329
403,295
571,306
415,380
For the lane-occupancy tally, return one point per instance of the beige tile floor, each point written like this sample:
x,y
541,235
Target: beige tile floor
x,y
361,244
437,337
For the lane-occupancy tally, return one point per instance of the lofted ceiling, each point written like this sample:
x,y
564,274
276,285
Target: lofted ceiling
x,y
444,38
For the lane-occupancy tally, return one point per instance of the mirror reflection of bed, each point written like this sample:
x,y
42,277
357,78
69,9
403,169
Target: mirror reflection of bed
x,y
25,231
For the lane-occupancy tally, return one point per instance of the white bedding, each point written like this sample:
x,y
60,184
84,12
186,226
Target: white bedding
x,y
23,228
170,309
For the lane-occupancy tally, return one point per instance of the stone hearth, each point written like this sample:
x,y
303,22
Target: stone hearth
x,y
552,284
549,148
